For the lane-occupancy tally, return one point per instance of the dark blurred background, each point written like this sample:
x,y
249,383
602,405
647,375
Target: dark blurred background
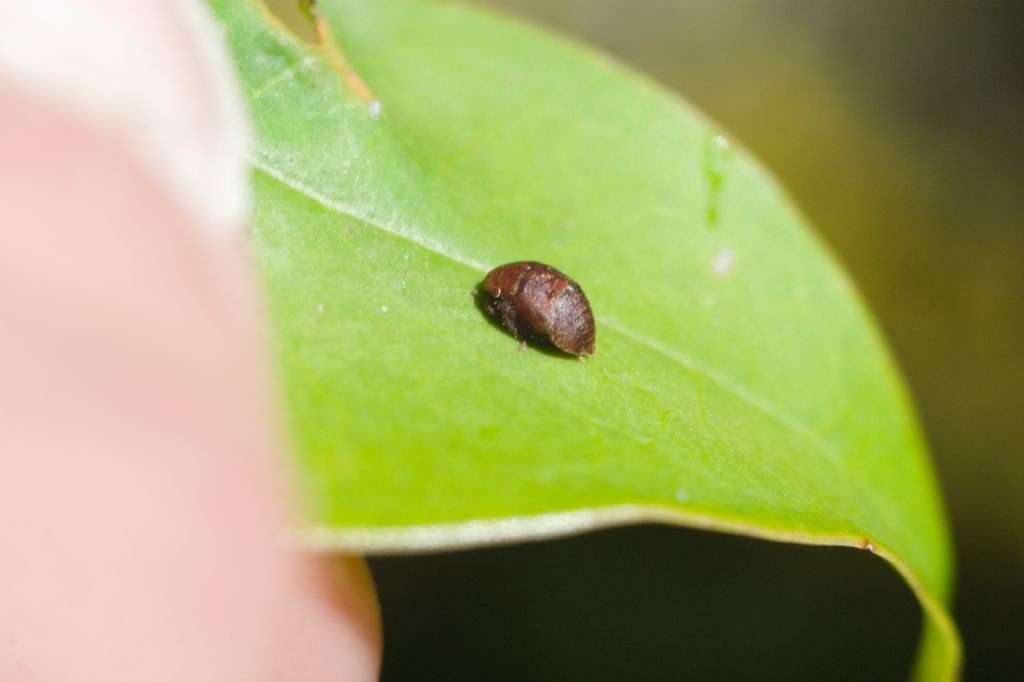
x,y
899,128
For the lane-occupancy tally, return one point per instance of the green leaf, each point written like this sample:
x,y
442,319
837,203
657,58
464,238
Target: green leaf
x,y
738,384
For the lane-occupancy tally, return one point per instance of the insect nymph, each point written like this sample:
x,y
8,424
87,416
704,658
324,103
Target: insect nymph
x,y
536,302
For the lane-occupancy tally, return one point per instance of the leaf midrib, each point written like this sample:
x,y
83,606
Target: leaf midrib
x,y
783,419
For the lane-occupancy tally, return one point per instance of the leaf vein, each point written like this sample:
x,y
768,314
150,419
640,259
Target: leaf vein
x,y
782,418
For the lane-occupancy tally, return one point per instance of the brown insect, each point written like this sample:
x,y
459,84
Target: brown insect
x,y
535,301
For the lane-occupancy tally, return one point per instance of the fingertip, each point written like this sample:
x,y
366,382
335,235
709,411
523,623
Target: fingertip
x,y
155,76
334,626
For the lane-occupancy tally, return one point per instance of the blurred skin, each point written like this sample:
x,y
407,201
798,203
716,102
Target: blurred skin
x,y
144,515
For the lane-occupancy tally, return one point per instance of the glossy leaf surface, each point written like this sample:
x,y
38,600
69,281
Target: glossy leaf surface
x,y
738,382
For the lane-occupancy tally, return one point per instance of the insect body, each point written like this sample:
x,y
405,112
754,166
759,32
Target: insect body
x,y
535,301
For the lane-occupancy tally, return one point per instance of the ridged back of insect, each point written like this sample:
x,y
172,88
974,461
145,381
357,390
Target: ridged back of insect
x,y
533,300
572,328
